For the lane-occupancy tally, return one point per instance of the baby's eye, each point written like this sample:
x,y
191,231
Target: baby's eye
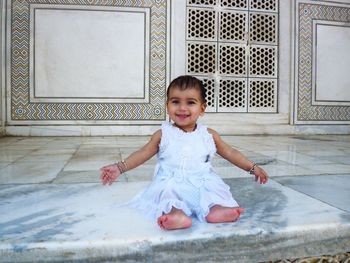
x,y
191,102
174,101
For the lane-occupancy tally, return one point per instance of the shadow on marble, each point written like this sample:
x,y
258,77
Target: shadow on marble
x,y
77,217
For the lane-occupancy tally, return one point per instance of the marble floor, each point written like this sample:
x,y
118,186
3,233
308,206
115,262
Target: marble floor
x,y
53,207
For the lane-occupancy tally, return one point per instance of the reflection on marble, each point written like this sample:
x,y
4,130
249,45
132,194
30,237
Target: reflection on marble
x,y
90,157
331,189
78,164
30,172
10,157
4,164
341,159
325,153
72,177
288,170
328,168
293,157
52,157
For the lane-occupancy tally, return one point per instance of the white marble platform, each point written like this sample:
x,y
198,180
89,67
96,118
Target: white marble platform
x,y
53,208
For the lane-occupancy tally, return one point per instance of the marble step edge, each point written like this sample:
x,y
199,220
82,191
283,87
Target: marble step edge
x,y
312,240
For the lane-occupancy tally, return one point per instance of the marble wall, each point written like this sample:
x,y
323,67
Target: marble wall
x,y
321,62
2,67
87,63
63,80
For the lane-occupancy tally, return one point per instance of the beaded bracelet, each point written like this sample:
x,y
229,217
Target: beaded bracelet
x,y
122,166
251,171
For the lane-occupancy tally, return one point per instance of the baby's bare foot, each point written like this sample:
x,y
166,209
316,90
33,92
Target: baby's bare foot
x,y
176,219
219,214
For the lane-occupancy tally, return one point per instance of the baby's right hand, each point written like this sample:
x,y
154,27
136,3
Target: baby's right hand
x,y
109,174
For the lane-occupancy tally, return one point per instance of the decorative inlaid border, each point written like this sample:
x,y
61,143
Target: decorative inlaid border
x,y
305,12
21,109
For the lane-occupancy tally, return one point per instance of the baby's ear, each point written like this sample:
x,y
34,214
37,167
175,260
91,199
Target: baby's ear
x,y
203,106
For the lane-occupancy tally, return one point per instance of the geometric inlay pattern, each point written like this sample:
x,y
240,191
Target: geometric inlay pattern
x,y
24,109
305,112
234,44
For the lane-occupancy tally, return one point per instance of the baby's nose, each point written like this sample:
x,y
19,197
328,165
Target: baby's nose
x,y
183,106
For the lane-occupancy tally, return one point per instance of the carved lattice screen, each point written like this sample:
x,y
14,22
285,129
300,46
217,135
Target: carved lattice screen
x,y
233,47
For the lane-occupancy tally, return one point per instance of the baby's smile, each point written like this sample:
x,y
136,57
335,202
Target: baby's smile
x,y
182,116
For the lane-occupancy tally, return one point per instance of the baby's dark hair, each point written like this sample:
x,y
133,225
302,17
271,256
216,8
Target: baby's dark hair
x,y
187,82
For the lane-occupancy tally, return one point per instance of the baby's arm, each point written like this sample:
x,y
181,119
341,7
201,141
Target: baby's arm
x,y
111,172
237,158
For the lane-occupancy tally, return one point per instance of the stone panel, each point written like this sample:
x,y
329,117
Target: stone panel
x,y
331,62
306,13
115,59
23,110
2,66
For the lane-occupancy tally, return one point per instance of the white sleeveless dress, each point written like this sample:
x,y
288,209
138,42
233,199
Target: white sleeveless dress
x,y
184,177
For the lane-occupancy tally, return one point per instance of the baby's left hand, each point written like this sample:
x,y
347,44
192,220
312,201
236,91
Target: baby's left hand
x,y
109,174
260,174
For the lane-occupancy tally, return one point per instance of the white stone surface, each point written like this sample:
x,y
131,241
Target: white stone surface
x,y
284,63
91,54
48,213
2,67
46,219
311,186
332,63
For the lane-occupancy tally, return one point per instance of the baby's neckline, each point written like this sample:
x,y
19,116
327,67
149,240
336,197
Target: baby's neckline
x,y
184,131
